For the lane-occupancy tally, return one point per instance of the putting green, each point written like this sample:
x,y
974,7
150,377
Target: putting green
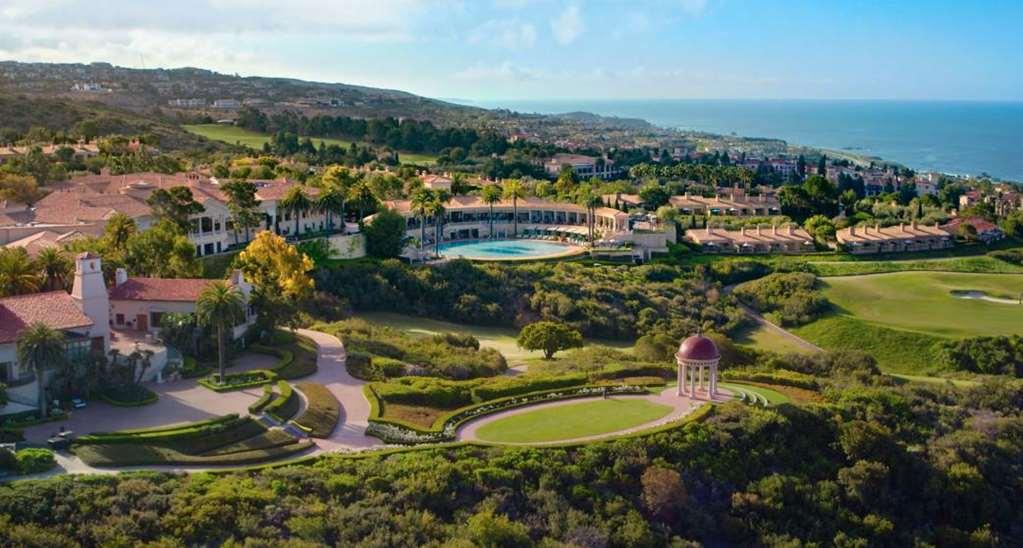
x,y
924,302
572,421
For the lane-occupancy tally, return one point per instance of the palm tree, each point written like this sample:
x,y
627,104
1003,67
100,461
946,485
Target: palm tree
x,y
219,306
362,195
592,201
513,189
17,273
55,266
331,199
40,347
295,202
491,194
118,229
420,205
440,198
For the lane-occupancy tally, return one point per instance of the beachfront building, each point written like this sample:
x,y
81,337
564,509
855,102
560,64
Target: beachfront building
x,y
468,218
734,204
752,240
893,239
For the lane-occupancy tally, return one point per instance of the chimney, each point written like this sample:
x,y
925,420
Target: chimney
x,y
902,227
913,224
789,230
774,229
852,230
758,229
877,227
90,295
742,231
120,276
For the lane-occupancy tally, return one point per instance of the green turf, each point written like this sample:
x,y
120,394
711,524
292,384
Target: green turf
x,y
501,339
572,421
895,350
923,302
773,396
759,337
252,139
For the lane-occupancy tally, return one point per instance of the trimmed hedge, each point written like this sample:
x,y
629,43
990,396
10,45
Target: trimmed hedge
x,y
360,366
191,369
296,359
514,386
180,436
30,418
322,411
263,401
285,405
34,460
426,391
166,428
239,381
139,455
634,371
132,395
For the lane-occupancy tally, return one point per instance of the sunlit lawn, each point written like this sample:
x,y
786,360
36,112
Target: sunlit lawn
x,y
571,421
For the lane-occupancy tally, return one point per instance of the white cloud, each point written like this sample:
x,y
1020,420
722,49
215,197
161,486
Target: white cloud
x,y
694,7
504,72
568,26
512,34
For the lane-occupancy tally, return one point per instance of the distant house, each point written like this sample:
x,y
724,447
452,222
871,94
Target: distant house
x,y
227,104
987,231
584,166
437,182
735,203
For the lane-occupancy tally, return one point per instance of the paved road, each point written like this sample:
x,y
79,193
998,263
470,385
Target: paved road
x,y
681,406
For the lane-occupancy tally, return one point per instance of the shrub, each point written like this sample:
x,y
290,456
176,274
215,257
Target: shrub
x,y
129,395
360,366
791,297
987,355
783,377
1013,256
34,460
425,391
622,372
322,413
263,401
239,381
297,357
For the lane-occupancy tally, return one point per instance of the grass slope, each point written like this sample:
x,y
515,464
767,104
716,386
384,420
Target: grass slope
x,y
923,302
252,139
576,420
895,350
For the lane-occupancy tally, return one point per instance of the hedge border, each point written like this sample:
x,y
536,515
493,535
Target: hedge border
x,y
268,377
286,403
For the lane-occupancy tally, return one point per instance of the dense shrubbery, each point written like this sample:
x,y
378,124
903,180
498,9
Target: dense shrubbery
x,y
1014,256
989,355
877,466
791,298
26,461
600,301
393,353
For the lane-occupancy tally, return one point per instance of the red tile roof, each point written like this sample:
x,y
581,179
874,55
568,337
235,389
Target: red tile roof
x,y
159,289
56,309
981,224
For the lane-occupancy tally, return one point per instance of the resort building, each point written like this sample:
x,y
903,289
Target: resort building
x,y
983,229
735,204
752,240
85,204
893,239
584,166
468,218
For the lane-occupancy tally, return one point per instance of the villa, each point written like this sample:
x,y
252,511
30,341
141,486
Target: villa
x,y
893,239
758,240
584,166
95,319
987,231
735,204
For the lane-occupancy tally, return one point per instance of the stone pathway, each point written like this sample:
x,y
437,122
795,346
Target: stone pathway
x,y
681,406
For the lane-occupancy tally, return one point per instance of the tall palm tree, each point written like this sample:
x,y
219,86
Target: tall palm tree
x,y
513,189
491,194
592,201
55,266
118,229
331,200
438,208
219,306
420,206
17,273
40,347
296,202
362,195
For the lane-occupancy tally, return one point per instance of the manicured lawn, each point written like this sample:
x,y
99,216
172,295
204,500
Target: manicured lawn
x,y
895,350
575,420
252,139
501,339
773,396
923,302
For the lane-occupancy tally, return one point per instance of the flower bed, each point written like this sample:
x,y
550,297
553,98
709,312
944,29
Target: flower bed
x,y
392,431
239,381
129,395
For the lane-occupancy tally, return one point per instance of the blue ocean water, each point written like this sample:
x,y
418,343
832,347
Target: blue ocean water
x,y
948,136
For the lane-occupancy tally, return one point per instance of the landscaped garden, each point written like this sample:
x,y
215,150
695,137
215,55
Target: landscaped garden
x,y
572,421
227,440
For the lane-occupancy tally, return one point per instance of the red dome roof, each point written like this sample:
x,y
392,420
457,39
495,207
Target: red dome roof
x,y
698,347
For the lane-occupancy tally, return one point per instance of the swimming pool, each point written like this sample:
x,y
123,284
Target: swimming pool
x,y
492,250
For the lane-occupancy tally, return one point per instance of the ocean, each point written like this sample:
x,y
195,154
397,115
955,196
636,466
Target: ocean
x,y
960,137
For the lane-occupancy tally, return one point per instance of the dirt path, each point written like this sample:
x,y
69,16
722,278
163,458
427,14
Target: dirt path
x,y
681,406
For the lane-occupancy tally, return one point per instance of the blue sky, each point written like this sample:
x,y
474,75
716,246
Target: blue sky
x,y
542,49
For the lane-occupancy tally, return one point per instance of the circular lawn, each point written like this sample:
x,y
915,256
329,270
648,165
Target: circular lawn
x,y
571,421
